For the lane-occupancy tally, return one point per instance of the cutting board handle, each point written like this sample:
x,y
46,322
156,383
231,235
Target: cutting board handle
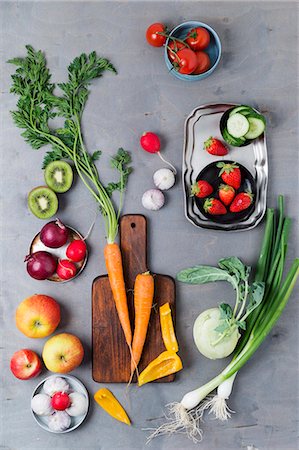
x,y
133,242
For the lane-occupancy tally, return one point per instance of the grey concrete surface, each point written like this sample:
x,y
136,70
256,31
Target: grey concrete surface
x,y
259,67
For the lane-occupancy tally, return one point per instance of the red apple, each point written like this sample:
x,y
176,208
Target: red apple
x,y
38,316
60,401
63,353
25,364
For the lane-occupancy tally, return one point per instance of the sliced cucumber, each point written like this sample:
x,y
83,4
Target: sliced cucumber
x,y
257,116
256,127
242,110
231,140
237,125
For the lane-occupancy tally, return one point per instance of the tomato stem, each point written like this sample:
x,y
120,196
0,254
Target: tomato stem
x,y
161,33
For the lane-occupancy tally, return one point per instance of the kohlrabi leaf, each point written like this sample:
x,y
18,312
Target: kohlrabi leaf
x,y
235,267
256,294
226,311
204,274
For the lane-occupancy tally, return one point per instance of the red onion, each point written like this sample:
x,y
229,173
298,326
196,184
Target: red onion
x,y
41,265
54,234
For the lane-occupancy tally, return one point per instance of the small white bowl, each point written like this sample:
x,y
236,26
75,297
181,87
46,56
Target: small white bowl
x,y
75,386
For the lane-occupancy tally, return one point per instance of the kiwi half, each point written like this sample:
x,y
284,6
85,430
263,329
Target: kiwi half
x,y
42,202
59,176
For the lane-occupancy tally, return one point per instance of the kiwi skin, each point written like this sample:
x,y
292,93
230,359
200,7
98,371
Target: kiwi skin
x,y
59,176
50,197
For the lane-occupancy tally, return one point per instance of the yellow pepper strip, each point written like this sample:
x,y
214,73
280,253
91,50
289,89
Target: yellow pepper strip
x,y
167,328
111,405
166,364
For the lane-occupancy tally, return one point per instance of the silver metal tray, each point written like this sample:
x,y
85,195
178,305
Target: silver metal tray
x,y
202,123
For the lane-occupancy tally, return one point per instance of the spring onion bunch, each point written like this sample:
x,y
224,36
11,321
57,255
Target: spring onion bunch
x,y
186,415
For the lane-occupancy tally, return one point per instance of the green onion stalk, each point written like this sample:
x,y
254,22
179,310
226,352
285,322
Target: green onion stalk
x,y
186,415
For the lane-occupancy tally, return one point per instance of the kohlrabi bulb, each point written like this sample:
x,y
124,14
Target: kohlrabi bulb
x,y
153,199
205,336
55,384
164,179
59,421
41,405
79,404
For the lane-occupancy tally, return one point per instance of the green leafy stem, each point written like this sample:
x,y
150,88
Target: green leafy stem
x,y
248,297
38,105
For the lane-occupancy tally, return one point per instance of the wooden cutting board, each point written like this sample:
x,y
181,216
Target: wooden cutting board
x,y
110,353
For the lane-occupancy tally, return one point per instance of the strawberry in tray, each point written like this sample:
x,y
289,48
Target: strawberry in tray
x,y
201,189
230,174
215,147
226,194
214,207
242,201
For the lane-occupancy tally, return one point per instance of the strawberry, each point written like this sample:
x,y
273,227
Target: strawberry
x,y
201,189
214,207
215,147
226,193
230,174
242,201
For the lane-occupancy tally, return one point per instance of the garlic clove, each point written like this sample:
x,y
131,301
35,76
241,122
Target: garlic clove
x,y
59,421
41,405
79,404
153,199
55,384
164,179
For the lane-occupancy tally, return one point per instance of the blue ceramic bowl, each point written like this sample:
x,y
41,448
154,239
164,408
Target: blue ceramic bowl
x,y
213,50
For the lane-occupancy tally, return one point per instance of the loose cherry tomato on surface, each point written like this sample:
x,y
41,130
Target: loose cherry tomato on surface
x,y
66,269
198,38
76,250
152,36
186,61
175,46
203,63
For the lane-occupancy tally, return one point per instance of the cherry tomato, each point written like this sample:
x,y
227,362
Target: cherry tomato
x,y
198,38
203,63
186,61
76,250
150,142
175,46
60,401
152,36
66,269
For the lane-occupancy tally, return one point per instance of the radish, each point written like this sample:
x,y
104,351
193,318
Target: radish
x,y
150,142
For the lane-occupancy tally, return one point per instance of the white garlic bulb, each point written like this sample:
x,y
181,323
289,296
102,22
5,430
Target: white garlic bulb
x,y
164,179
41,405
79,404
59,421
153,199
55,384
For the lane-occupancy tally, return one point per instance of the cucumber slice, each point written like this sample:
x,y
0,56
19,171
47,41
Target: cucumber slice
x,y
256,127
242,110
257,116
237,125
231,140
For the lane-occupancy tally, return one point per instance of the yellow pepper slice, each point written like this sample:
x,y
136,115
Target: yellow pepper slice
x,y
165,364
167,328
111,405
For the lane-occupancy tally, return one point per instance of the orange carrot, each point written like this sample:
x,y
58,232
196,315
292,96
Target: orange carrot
x,y
143,302
116,278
